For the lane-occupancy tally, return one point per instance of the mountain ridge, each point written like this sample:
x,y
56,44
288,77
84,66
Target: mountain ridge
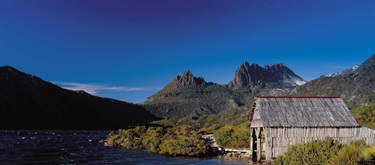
x,y
356,87
187,95
29,102
344,72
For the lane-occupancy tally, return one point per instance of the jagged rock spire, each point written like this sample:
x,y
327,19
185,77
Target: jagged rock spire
x,y
186,78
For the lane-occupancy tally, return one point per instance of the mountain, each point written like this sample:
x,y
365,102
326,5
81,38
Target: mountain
x,y
355,85
186,79
187,95
345,72
255,77
28,102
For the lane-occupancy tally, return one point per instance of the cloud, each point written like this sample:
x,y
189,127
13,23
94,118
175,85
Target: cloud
x,y
96,88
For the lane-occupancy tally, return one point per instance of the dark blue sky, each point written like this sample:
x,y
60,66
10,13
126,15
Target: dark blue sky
x,y
128,50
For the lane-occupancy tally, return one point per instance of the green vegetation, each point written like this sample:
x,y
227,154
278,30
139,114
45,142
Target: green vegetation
x,y
176,141
211,129
365,115
176,101
327,152
234,116
164,123
350,154
316,152
183,141
369,153
233,136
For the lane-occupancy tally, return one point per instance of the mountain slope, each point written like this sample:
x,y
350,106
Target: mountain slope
x,y
356,87
28,102
345,72
187,95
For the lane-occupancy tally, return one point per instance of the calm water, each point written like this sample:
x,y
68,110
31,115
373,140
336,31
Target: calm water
x,y
80,147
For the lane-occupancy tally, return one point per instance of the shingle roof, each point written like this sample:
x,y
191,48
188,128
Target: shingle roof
x,y
304,112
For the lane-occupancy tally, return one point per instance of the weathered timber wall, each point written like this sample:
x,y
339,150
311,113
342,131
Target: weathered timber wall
x,y
279,139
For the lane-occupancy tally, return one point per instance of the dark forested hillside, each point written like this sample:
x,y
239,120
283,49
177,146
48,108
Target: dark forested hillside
x,y
28,102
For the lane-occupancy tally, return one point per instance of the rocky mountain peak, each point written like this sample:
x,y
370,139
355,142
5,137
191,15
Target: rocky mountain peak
x,y
185,76
185,79
254,76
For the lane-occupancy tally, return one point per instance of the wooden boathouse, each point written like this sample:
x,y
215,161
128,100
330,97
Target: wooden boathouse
x,y
278,122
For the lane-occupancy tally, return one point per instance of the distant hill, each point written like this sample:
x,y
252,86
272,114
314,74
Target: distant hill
x,y
356,85
28,102
187,95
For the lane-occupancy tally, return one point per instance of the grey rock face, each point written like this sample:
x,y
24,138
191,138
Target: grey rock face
x,y
255,76
187,79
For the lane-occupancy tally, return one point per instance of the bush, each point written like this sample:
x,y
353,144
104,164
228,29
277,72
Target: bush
x,y
191,145
177,141
153,139
223,136
369,154
211,129
350,154
312,153
112,139
328,151
365,115
233,136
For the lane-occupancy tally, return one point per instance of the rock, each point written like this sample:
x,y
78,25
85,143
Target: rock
x,y
186,79
255,76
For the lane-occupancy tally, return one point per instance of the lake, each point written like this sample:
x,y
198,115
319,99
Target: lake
x,y
81,147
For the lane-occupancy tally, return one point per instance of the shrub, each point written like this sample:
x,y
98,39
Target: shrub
x,y
312,153
223,136
328,152
177,141
279,160
365,115
153,139
350,154
369,153
211,129
233,136
191,145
